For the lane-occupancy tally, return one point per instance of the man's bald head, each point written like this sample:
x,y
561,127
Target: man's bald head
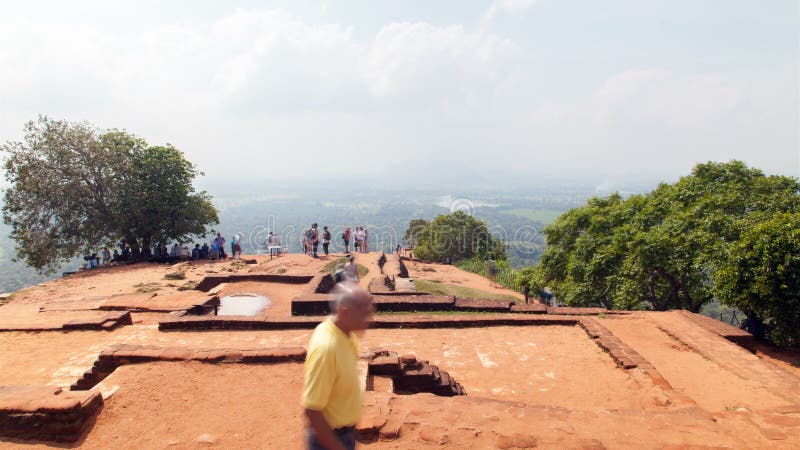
x,y
352,305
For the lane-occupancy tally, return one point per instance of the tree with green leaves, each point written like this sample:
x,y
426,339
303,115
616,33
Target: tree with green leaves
x,y
660,250
760,275
74,188
455,237
415,226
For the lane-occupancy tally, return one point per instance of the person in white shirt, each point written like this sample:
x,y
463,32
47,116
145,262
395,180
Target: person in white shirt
x,y
350,270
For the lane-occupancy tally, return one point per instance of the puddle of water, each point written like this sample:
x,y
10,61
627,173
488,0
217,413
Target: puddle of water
x,y
242,305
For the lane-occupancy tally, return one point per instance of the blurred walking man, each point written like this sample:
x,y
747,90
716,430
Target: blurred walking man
x,y
331,391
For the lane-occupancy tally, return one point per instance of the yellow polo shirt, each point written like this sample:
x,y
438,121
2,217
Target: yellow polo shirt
x,y
331,376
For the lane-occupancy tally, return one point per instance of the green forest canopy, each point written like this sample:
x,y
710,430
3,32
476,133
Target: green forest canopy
x,y
727,231
74,188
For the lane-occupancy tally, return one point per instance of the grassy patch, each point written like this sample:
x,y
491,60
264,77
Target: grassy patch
x,y
330,267
439,288
146,288
188,286
281,270
175,276
796,363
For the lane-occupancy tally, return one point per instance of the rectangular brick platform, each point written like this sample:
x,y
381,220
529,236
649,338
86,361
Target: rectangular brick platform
x,y
108,321
211,281
176,301
121,354
737,336
46,413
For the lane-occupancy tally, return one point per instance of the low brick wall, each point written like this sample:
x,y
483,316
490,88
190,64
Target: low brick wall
x,y
319,304
403,269
380,285
321,283
311,304
529,308
482,305
576,311
213,280
46,413
400,321
408,303
621,353
121,354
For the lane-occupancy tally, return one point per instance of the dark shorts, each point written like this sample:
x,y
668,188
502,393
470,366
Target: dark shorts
x,y
346,435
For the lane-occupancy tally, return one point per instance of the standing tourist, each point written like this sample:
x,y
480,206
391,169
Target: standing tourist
x,y
220,241
331,388
346,239
313,240
326,239
236,247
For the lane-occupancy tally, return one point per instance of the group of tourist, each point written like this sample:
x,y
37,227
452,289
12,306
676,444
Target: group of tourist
x,y
311,240
313,237
360,238
214,251
162,253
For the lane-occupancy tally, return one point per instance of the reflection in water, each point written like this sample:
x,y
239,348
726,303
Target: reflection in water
x,y
242,305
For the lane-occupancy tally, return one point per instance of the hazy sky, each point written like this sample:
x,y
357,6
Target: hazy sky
x,y
506,88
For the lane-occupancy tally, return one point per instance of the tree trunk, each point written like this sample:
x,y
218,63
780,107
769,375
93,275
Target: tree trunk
x,y
134,244
147,245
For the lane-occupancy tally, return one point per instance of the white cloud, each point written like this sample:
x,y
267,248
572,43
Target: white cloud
x,y
511,7
420,58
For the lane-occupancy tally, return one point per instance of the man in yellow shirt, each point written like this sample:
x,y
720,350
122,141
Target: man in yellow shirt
x,y
331,389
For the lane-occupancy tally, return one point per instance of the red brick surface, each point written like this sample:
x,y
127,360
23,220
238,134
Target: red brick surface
x,y
121,354
213,280
46,413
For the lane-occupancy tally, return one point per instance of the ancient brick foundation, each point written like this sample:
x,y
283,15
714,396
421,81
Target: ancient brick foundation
x,y
107,322
214,280
46,413
313,304
122,354
410,376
